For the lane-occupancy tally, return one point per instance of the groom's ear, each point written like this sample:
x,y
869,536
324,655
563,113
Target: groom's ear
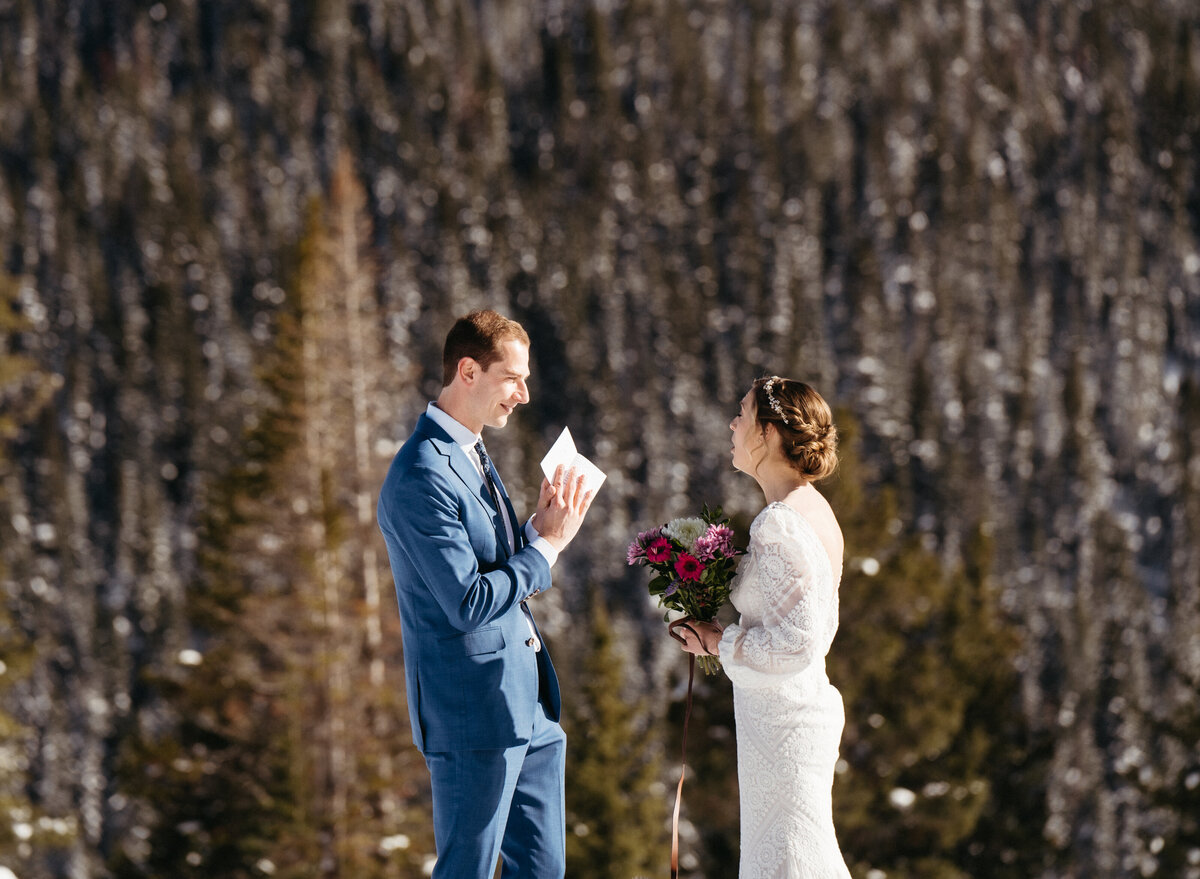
x,y
468,370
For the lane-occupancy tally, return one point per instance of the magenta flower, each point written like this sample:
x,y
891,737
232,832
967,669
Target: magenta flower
x,y
636,554
659,550
689,567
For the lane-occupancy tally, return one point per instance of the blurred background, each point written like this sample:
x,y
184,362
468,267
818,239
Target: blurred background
x,y
233,236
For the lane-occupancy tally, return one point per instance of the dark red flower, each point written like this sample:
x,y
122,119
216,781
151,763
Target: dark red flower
x,y
688,567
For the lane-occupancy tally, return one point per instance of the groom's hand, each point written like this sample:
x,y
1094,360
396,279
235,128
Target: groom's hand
x,y
562,504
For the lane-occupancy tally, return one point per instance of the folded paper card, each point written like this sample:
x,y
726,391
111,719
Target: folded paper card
x,y
564,452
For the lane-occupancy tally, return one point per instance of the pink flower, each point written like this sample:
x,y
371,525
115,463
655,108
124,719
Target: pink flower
x,y
659,550
636,554
716,541
688,567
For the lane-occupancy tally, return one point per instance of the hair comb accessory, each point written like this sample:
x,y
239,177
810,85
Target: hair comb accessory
x,y
769,386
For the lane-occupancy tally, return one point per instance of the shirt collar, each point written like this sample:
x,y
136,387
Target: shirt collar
x,y
462,435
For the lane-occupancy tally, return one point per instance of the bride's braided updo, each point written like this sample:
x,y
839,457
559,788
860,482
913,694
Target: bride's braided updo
x,y
804,421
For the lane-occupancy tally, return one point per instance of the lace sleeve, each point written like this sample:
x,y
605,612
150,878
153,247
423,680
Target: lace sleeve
x,y
791,636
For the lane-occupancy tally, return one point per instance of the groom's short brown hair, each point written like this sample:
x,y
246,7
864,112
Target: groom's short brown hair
x,y
478,335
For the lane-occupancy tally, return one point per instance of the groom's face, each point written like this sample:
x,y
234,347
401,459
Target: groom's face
x,y
501,387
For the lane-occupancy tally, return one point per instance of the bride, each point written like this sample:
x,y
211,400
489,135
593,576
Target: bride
x,y
789,717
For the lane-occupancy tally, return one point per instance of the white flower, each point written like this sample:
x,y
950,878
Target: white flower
x,y
686,531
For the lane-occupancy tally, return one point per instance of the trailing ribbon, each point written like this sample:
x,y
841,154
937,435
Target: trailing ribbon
x,y
687,715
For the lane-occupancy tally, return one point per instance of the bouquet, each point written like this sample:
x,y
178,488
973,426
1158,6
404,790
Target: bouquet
x,y
693,560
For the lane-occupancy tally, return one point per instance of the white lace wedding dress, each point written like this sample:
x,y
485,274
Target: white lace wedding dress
x,y
789,717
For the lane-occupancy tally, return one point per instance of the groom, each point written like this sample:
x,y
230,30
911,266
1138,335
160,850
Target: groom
x,y
483,697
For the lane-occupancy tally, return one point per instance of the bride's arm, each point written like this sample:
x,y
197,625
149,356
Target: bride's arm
x,y
788,640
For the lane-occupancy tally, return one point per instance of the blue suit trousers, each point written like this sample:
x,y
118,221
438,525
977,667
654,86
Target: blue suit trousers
x,y
506,803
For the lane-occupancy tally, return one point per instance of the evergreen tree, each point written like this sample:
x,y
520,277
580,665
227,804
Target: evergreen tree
x,y
273,723
222,774
616,804
935,752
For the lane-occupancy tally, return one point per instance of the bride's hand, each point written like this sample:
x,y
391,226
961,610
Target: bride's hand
x,y
696,637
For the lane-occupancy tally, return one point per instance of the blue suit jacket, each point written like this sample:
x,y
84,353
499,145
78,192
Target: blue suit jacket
x,y
473,681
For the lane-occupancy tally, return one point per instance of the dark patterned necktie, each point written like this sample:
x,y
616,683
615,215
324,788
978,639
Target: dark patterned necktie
x,y
489,475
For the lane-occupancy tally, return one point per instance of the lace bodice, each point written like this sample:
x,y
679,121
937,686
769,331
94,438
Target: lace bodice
x,y
786,593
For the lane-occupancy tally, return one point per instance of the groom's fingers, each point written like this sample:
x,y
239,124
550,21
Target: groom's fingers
x,y
585,500
552,488
569,485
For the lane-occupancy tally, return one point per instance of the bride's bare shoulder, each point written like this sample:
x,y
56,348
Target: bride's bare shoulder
x,y
813,506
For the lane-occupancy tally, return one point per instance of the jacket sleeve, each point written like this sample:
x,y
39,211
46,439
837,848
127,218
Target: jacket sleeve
x,y
423,513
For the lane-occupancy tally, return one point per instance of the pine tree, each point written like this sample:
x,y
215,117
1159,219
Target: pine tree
x,y
221,773
616,804
935,751
279,721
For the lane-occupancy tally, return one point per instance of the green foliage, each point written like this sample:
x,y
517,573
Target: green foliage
x,y
935,749
270,755
616,804
223,772
223,778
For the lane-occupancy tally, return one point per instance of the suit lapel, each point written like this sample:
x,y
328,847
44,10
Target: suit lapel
x,y
470,476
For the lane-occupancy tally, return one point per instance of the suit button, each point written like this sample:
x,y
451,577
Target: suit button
x,y
529,642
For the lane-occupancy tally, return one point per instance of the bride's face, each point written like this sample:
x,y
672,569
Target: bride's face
x,y
747,438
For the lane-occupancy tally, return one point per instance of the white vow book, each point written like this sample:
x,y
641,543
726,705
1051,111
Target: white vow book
x,y
564,452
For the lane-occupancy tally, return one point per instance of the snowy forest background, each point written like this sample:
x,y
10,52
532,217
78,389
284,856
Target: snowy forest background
x,y
234,234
